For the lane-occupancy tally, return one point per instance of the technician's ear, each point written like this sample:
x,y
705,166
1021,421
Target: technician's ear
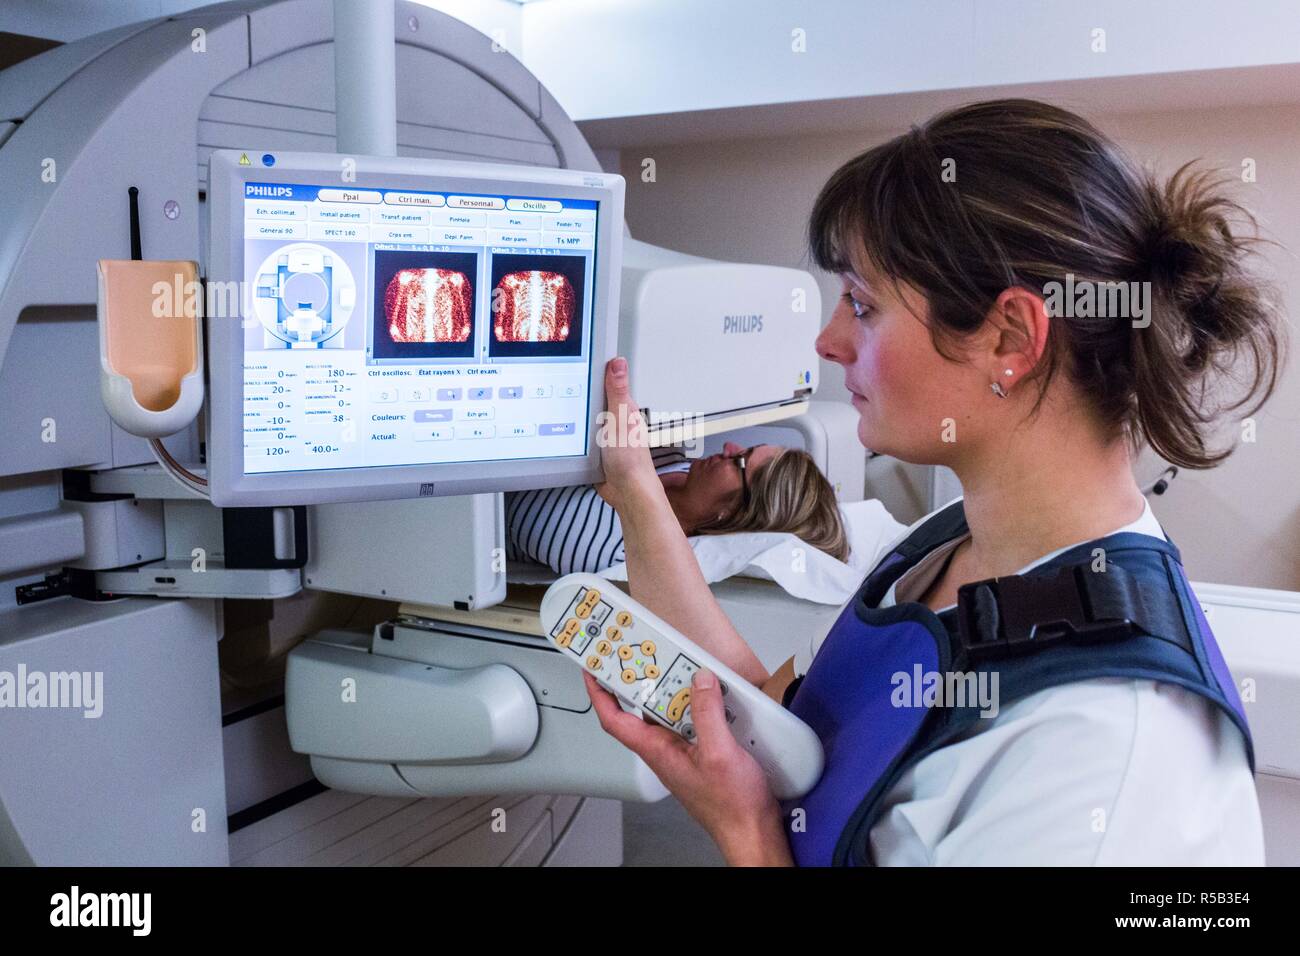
x,y
1020,322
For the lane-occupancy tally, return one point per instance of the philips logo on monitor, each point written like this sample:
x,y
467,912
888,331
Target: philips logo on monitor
x,y
268,192
741,324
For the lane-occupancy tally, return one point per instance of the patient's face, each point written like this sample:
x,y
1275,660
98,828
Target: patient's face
x,y
912,402
713,485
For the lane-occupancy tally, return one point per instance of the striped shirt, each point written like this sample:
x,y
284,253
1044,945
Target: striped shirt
x,y
572,529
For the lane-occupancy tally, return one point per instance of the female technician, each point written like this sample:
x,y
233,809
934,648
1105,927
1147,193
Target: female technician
x,y
950,241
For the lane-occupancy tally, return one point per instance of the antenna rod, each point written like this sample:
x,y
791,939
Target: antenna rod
x,y
134,195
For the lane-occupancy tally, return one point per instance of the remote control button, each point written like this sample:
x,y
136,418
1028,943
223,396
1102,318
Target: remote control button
x,y
614,633
571,627
593,662
625,653
677,706
624,619
651,671
564,640
688,731
593,629
648,648
588,603
629,676
604,648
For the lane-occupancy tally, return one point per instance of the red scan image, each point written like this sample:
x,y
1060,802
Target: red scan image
x,y
533,306
429,305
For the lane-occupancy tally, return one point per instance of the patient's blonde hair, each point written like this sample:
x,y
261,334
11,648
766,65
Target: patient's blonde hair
x,y
789,493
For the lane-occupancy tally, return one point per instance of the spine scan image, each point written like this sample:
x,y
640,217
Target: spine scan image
x,y
533,306
429,305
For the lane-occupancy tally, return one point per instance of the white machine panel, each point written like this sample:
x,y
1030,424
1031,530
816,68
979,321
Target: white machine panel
x,y
442,551
709,339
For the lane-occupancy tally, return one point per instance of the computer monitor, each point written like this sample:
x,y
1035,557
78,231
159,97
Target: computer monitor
x,y
395,328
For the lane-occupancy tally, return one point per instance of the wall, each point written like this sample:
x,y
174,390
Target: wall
x,y
748,200
666,56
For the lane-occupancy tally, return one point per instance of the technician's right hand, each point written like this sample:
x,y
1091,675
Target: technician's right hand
x,y
623,440
719,783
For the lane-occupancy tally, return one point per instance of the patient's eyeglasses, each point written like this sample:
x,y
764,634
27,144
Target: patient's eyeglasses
x,y
742,462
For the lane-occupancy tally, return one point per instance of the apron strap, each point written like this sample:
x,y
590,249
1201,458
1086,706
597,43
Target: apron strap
x,y
1001,617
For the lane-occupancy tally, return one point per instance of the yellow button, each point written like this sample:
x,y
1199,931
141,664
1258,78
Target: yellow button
x,y
603,648
651,671
565,637
624,619
593,662
593,596
625,653
648,648
614,633
677,706
628,676
584,610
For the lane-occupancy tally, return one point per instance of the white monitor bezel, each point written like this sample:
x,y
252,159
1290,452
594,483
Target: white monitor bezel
x,y
228,484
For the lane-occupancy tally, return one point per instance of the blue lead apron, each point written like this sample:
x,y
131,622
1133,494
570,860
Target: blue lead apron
x,y
1119,606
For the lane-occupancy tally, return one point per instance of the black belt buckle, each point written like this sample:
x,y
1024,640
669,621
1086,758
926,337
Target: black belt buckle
x,y
1003,616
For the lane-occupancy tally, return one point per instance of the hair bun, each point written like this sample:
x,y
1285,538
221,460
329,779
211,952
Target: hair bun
x,y
1193,253
1168,254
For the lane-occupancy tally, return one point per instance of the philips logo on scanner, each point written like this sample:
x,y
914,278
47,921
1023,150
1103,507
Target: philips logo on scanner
x,y
741,324
268,192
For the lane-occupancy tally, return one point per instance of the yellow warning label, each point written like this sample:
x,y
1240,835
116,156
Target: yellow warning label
x,y
243,159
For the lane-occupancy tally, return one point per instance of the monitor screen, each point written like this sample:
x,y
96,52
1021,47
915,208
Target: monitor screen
x,y
433,321
436,326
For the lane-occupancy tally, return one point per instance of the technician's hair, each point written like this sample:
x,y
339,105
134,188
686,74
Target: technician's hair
x,y
1040,193
789,493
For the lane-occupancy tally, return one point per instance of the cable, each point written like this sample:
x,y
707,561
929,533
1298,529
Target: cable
x,y
176,469
196,483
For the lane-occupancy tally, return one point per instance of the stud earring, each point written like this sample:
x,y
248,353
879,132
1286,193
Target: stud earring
x,y
998,390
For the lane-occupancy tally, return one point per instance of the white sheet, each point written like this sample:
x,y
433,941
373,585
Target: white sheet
x,y
803,571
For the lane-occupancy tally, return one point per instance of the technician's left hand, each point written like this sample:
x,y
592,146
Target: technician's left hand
x,y
719,782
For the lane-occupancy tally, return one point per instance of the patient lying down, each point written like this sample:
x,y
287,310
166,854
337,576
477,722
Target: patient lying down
x,y
764,488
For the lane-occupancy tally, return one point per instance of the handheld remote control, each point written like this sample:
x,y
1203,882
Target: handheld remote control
x,y
647,665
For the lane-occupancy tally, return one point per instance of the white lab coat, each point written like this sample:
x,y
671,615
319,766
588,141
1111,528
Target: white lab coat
x,y
1107,772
